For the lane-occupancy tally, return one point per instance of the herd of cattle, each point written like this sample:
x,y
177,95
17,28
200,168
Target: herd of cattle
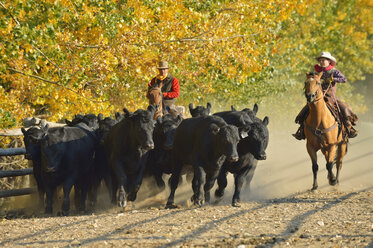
x,y
121,151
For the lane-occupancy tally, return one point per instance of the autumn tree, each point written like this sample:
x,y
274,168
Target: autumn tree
x,y
61,57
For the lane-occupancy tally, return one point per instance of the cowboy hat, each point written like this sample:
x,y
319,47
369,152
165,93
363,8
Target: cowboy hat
x,y
327,55
163,65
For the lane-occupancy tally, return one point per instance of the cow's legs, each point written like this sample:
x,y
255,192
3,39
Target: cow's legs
x,y
239,179
249,176
49,194
67,186
210,180
315,167
197,183
113,188
122,182
137,182
222,183
174,183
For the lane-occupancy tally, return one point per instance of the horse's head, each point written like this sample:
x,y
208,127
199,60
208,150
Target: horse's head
x,y
155,99
312,87
155,95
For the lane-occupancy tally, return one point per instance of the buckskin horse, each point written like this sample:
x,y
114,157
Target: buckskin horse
x,y
155,98
322,131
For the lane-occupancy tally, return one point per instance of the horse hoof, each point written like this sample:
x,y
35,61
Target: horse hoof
x,y
314,188
333,182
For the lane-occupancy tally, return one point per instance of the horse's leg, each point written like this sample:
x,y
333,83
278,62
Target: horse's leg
x,y
315,167
329,157
341,152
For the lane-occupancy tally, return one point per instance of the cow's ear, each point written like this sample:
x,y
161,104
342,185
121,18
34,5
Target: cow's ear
x,y
127,113
159,119
208,106
100,117
233,108
179,118
190,107
214,128
244,131
266,120
44,130
255,108
117,115
168,109
23,130
43,123
152,108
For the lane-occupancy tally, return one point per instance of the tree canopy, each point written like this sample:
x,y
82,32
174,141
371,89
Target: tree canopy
x,y
61,57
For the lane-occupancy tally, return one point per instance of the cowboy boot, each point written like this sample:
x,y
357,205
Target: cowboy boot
x,y
299,134
352,132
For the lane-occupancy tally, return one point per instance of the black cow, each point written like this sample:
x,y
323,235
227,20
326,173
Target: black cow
x,y
250,112
237,118
91,120
67,157
199,110
126,148
250,150
159,159
205,143
32,138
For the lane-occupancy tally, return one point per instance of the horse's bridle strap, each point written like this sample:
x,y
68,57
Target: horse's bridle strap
x,y
321,131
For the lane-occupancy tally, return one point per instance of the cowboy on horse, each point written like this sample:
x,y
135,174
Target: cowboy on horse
x,y
331,76
169,86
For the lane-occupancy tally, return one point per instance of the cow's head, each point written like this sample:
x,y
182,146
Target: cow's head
x,y
164,131
104,127
228,137
200,110
251,112
257,139
32,139
142,124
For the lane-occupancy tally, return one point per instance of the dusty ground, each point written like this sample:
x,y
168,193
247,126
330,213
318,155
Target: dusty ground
x,y
280,210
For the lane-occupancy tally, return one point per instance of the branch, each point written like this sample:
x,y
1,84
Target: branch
x,y
50,61
55,83
203,40
2,5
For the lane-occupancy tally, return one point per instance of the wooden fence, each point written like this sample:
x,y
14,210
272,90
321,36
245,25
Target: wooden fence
x,y
15,173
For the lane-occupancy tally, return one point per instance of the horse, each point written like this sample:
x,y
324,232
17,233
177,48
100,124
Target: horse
x,y
322,131
155,98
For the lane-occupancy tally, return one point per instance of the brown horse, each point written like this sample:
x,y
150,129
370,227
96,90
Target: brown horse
x,y
155,98
322,132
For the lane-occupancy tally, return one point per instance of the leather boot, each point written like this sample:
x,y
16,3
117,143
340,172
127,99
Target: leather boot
x,y
352,132
299,134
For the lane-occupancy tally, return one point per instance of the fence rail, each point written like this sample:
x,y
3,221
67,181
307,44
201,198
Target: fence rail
x,y
15,173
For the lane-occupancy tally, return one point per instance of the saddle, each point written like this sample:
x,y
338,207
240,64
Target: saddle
x,y
338,118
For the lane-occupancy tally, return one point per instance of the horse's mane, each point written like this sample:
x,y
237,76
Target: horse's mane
x,y
312,73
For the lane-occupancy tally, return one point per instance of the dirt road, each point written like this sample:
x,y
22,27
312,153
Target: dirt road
x,y
280,211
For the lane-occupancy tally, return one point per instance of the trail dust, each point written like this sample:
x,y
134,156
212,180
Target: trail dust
x,y
280,210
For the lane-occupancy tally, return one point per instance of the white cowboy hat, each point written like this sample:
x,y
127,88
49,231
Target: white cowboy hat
x,y
327,55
